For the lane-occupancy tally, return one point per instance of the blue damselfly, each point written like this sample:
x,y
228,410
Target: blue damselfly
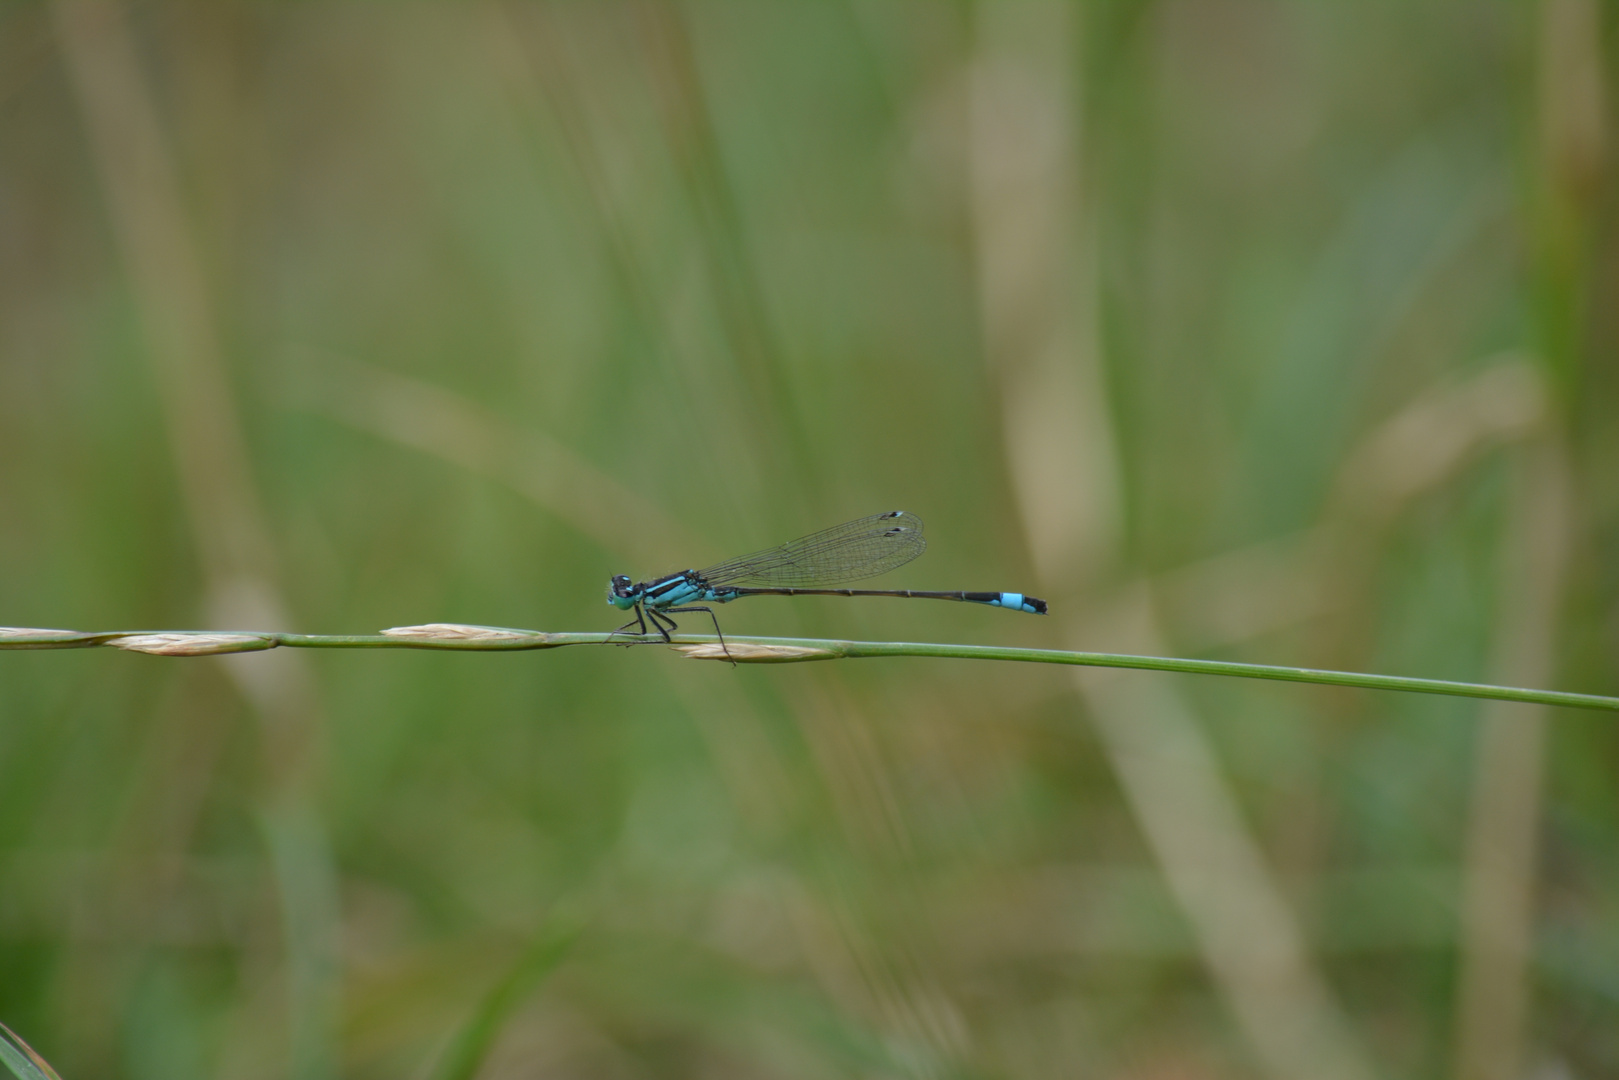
x,y
853,551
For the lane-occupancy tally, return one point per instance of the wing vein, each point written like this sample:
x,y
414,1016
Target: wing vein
x,y
853,551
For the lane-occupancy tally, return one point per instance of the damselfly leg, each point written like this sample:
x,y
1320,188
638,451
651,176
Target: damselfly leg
x,y
639,621
710,613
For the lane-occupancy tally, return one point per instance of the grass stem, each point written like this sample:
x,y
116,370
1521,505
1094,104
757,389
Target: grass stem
x,y
760,650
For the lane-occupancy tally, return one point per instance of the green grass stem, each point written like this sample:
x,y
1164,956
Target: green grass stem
x,y
765,650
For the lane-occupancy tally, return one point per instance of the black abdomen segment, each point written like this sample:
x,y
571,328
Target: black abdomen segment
x,y
1012,601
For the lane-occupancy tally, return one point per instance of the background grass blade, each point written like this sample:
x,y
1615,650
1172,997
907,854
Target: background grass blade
x,y
471,1045
20,1058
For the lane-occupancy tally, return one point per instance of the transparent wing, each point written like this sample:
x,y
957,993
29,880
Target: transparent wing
x,y
852,551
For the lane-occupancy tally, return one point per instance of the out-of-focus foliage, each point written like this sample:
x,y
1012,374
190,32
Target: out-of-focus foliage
x,y
500,299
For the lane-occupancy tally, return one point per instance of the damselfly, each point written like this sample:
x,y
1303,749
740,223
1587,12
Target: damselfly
x,y
853,551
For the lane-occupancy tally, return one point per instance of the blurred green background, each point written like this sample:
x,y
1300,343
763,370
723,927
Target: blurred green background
x,y
1258,329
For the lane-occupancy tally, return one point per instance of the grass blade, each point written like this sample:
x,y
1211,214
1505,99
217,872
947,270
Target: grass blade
x,y
472,1044
21,1059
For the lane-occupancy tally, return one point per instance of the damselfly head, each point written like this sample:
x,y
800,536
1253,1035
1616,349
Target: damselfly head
x,y
622,594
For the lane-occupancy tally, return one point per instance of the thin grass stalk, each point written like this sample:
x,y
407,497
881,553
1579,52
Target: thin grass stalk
x,y
760,650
